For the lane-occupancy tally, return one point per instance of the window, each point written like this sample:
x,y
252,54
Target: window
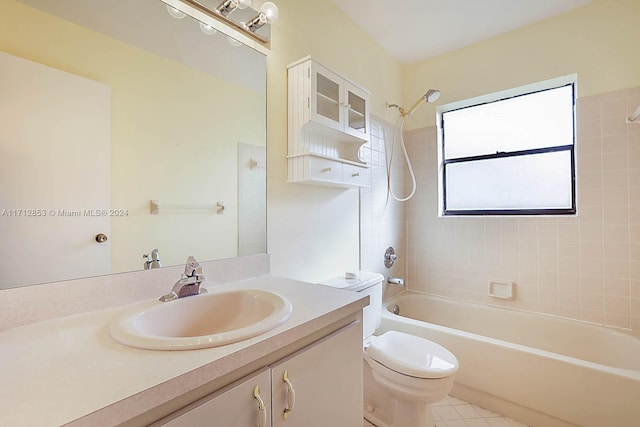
x,y
511,153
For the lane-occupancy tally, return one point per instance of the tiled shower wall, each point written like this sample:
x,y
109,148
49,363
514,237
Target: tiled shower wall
x,y
585,267
382,222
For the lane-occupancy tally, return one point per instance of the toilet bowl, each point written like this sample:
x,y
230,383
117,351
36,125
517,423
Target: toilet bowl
x,y
403,374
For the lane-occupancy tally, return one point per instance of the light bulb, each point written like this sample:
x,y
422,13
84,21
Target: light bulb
x,y
233,42
228,6
207,29
268,15
270,11
175,12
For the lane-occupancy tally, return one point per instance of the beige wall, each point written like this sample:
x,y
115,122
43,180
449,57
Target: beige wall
x,y
313,232
597,41
585,267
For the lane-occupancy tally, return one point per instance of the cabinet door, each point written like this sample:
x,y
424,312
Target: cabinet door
x,y
326,98
356,112
233,406
321,385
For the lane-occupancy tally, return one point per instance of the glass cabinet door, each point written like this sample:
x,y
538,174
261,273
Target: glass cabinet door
x,y
337,103
356,123
326,97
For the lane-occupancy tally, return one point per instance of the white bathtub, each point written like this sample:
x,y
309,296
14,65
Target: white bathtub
x,y
544,370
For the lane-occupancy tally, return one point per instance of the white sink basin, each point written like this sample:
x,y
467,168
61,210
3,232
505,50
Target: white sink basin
x,y
200,321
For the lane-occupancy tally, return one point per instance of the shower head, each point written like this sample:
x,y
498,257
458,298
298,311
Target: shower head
x,y
431,96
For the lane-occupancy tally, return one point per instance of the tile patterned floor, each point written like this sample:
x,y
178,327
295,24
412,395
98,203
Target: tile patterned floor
x,y
452,412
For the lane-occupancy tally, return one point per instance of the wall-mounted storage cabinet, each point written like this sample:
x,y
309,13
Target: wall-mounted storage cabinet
x,y
328,124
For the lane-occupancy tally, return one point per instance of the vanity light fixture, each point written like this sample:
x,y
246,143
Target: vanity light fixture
x,y
228,6
175,12
268,15
224,13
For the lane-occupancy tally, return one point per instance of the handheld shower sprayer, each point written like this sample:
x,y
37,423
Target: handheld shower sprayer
x,y
432,95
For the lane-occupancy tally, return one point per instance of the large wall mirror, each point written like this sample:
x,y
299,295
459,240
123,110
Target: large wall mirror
x,y
120,120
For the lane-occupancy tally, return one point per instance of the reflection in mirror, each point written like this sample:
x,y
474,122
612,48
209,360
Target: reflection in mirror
x,y
237,14
106,106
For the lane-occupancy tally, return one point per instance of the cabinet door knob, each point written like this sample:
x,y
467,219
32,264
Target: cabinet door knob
x,y
101,238
291,395
262,411
355,174
326,170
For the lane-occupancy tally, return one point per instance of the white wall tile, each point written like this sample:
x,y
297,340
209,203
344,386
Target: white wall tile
x,y
382,221
586,267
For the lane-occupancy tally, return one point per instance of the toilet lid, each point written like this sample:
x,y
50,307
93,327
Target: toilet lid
x,y
412,355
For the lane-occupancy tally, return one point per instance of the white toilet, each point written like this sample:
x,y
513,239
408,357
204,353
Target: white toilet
x,y
403,374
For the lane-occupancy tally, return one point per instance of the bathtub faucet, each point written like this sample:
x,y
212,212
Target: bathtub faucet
x,y
395,280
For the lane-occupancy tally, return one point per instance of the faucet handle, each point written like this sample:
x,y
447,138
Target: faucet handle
x,y
152,260
192,268
189,283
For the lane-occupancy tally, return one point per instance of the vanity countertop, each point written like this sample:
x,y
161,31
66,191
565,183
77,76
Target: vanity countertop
x,y
70,371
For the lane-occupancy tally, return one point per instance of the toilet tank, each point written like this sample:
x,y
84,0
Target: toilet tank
x,y
366,283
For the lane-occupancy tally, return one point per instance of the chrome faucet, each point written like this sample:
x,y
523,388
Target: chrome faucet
x,y
152,260
189,283
395,280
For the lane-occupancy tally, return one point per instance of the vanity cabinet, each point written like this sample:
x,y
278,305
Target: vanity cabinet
x,y
328,122
317,386
246,402
326,380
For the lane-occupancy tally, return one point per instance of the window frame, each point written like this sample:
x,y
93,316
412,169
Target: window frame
x,y
570,80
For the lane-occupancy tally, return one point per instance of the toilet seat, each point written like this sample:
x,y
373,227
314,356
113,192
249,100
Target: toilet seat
x,y
411,355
